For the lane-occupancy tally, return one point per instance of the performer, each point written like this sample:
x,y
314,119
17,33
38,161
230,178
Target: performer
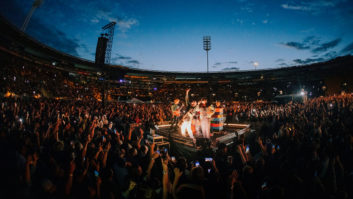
x,y
195,120
217,118
205,115
188,117
176,108
186,124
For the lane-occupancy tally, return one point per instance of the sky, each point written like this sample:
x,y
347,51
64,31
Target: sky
x,y
167,34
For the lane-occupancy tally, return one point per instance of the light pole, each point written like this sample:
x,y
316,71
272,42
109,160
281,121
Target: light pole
x,y
35,5
256,64
207,46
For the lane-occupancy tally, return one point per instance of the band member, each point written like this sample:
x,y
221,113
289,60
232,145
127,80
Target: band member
x,y
205,115
176,108
217,118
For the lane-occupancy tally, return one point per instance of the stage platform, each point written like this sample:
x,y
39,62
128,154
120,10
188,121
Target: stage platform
x,y
176,142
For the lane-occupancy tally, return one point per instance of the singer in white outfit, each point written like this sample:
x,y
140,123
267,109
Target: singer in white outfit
x,y
205,115
186,125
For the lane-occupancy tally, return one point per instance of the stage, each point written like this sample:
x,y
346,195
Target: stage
x,y
172,138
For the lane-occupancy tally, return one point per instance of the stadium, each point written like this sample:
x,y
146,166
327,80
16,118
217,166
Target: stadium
x,y
76,128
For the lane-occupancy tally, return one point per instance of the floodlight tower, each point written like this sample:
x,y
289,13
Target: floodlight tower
x,y
207,46
35,5
109,29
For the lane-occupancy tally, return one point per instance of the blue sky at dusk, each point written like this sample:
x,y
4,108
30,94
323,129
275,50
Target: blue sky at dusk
x,y
167,35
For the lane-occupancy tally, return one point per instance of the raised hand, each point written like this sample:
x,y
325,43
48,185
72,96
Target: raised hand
x,y
107,148
164,164
89,138
234,177
155,155
177,172
141,132
29,160
100,149
58,122
50,125
259,140
72,166
35,157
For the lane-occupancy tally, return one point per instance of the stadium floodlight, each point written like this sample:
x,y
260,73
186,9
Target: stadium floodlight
x,y
35,5
207,46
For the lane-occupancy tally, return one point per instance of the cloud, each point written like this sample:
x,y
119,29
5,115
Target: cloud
x,y
125,24
348,49
308,30
94,20
295,7
135,62
219,64
104,15
123,57
279,60
308,60
247,8
312,43
296,45
283,64
240,21
132,63
124,60
230,69
315,7
312,40
325,46
216,64
330,55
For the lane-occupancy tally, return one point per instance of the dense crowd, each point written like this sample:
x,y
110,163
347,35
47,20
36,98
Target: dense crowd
x,y
82,149
58,140
54,81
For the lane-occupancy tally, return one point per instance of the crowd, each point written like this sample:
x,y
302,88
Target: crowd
x,y
54,81
67,144
82,149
